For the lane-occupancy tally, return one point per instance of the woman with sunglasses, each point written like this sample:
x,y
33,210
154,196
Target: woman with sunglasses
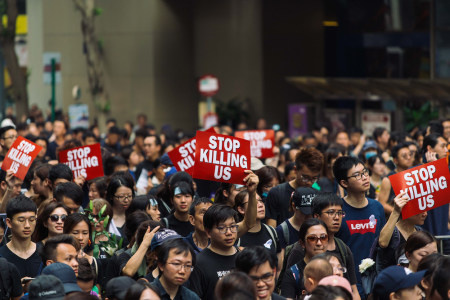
x,y
50,221
314,239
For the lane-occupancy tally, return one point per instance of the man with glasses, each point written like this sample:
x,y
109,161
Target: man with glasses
x,y
308,165
403,159
364,217
21,251
175,262
261,265
8,136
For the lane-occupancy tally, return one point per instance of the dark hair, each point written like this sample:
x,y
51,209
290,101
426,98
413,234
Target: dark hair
x,y
329,292
219,197
41,231
80,296
218,213
327,256
266,174
235,286
441,281
429,263
417,240
254,256
198,201
20,204
70,190
101,185
142,229
430,140
396,149
117,180
288,168
311,158
85,272
373,159
48,252
185,188
378,132
112,162
88,134
436,127
330,154
135,291
60,171
132,223
307,225
157,139
324,200
73,220
141,133
342,165
179,245
141,202
42,171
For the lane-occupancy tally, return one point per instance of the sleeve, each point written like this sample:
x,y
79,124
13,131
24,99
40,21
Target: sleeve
x,y
122,261
197,282
289,287
282,241
351,271
272,205
16,286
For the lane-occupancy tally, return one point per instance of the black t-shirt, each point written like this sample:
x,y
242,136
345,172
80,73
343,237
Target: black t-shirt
x,y
181,227
146,164
291,287
14,279
29,267
210,267
277,202
261,238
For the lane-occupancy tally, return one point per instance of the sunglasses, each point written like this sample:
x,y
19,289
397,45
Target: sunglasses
x,y
55,218
315,238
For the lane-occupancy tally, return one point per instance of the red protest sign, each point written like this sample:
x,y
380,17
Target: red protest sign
x,y
425,185
20,156
84,161
261,142
183,156
221,158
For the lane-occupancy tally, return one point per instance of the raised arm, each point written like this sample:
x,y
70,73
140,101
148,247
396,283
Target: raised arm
x,y
251,181
386,233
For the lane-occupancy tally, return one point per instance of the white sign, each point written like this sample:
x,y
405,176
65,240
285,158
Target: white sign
x,y
48,56
79,116
372,120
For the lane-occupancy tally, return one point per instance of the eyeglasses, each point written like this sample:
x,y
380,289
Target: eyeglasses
x,y
358,176
306,178
340,269
224,229
23,220
123,197
11,137
332,213
314,238
267,278
179,266
55,218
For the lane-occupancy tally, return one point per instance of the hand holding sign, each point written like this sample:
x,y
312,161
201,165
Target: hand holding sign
x,y
400,201
20,156
251,181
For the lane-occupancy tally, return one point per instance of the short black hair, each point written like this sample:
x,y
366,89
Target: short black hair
x,y
60,171
48,252
396,149
323,200
342,165
132,223
141,202
88,134
185,188
112,162
136,289
254,256
20,204
308,224
70,190
430,140
218,213
180,246
378,132
198,201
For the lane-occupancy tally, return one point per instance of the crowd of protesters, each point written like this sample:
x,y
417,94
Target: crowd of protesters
x,y
301,225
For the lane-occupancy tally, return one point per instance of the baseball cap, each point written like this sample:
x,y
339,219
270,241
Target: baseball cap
x,y
66,274
165,160
162,236
370,145
46,287
335,280
395,278
302,198
117,287
256,164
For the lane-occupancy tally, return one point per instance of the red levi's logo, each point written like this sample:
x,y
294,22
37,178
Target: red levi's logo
x,y
362,226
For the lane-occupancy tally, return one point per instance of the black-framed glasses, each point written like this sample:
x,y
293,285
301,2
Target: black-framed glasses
x,y
123,197
332,213
56,218
306,178
224,229
267,278
314,238
11,137
179,266
359,175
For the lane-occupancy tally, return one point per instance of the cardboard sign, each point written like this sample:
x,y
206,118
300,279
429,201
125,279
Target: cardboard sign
x,y
261,142
20,156
425,185
221,158
84,161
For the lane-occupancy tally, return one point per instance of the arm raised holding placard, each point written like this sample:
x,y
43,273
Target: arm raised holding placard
x,y
9,194
386,233
251,181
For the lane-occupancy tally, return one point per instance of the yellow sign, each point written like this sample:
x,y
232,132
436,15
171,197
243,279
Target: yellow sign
x,y
21,23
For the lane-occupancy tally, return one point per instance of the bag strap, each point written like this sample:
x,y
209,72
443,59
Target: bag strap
x,y
342,250
285,229
296,273
273,234
166,222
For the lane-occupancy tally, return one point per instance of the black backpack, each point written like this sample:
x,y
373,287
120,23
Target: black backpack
x,y
5,280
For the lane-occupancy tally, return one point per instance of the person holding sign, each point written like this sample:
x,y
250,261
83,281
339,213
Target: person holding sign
x,y
396,232
9,188
8,136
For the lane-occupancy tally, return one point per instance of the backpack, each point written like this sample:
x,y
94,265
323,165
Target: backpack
x,y
287,251
272,233
5,280
285,229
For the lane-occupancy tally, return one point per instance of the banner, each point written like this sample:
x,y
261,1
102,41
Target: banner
x,y
221,158
425,185
20,156
261,142
84,161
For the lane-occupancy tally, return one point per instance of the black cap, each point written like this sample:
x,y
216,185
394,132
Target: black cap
x,y
302,199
